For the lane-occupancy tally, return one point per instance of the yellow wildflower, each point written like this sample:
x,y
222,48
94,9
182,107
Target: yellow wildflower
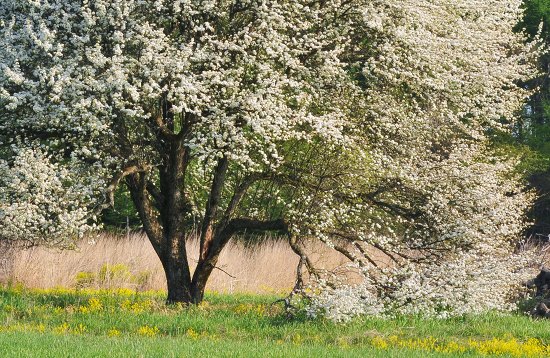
x,y
191,333
64,328
148,331
113,332
379,343
94,305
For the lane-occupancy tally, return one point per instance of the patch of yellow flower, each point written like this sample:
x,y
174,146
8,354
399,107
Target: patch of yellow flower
x,y
113,332
62,329
274,291
379,342
137,306
94,305
148,331
191,333
24,327
65,328
79,329
87,291
531,348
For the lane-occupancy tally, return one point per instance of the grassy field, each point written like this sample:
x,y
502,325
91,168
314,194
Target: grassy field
x,y
95,323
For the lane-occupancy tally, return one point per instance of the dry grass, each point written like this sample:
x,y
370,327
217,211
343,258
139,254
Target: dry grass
x,y
131,262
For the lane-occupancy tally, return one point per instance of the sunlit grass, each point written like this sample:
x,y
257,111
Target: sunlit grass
x,y
62,321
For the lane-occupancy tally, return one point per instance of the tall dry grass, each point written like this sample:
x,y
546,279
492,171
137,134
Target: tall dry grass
x,y
130,261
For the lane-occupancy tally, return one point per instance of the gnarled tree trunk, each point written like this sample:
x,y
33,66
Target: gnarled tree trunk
x,y
163,210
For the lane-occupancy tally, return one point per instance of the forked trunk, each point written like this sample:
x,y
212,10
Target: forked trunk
x,y
180,287
163,212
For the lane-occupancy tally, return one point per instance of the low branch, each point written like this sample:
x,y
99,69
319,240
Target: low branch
x,y
156,194
348,255
242,224
240,191
109,193
212,205
355,241
219,268
387,253
364,253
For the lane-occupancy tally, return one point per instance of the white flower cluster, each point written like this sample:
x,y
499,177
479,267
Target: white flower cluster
x,y
104,83
429,212
470,283
439,243
42,203
345,302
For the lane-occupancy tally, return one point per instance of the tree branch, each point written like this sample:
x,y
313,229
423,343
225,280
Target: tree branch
x,y
242,224
212,206
113,184
354,240
240,191
137,184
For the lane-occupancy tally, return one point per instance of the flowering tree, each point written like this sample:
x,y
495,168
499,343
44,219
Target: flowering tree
x,y
430,214
358,122
188,104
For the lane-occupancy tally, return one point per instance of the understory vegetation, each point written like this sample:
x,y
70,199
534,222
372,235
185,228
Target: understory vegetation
x,y
121,322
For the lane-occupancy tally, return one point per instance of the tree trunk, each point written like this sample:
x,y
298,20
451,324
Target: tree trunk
x,y
178,282
173,253
163,211
200,277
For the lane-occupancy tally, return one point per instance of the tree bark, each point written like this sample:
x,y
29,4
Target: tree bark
x,y
178,280
173,253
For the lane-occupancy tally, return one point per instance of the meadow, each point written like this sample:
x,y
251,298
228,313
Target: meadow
x,y
109,260
122,322
112,304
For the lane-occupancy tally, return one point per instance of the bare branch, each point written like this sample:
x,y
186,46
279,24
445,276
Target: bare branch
x,y
364,253
348,255
219,268
240,191
355,241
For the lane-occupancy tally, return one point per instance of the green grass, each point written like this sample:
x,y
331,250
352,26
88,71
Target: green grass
x,y
50,345
53,323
